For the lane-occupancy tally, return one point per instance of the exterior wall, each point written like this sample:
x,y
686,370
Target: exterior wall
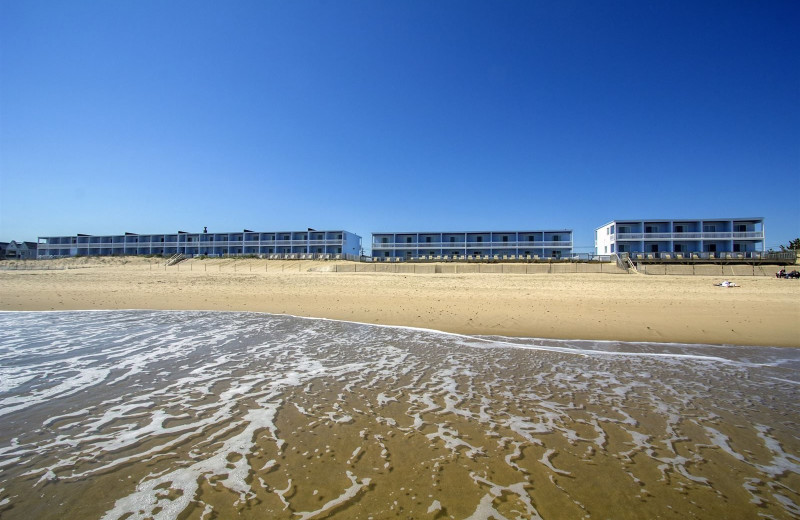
x,y
19,250
211,244
472,244
681,236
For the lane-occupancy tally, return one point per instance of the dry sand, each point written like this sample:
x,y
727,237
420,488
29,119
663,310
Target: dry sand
x,y
686,309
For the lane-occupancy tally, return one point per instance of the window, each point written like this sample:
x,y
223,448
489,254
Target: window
x,y
679,229
339,236
428,240
654,248
480,239
741,228
649,229
530,238
709,228
452,239
712,248
505,238
612,248
408,240
384,240
556,238
611,229
678,248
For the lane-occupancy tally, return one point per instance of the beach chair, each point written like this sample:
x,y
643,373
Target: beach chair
x,y
505,257
338,257
711,256
740,255
695,257
650,256
666,256
728,256
496,258
536,257
528,258
679,256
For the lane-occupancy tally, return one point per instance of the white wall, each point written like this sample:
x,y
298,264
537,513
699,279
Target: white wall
x,y
602,243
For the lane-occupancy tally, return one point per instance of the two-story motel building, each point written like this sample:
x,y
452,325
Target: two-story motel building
x,y
712,235
246,242
472,244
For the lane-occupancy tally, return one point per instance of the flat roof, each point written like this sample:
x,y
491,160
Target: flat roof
x,y
468,232
676,220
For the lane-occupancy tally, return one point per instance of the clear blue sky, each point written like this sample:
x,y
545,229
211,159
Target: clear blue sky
x,y
152,116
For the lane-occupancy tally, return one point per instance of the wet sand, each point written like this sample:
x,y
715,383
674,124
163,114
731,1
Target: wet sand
x,y
198,415
686,309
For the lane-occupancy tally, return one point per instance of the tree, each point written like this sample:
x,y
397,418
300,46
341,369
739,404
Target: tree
x,y
794,245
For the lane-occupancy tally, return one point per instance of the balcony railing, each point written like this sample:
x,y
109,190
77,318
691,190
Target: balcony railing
x,y
471,245
708,235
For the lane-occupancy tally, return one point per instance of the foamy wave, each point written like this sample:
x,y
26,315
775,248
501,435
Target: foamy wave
x,y
219,414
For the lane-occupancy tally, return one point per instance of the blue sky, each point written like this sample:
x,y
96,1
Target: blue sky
x,y
150,116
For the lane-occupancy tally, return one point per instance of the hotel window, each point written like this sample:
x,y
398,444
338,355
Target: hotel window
x,y
654,248
709,228
649,229
679,229
339,236
384,240
556,238
408,240
452,239
741,228
428,240
505,238
736,247
480,239
678,248
611,229
530,238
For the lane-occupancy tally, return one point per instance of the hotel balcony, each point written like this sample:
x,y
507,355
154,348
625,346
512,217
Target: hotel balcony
x,y
470,245
709,235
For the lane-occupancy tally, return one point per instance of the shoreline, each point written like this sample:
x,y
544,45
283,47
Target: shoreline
x,y
486,337
763,311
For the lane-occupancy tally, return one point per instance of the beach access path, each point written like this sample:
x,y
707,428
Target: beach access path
x,y
686,309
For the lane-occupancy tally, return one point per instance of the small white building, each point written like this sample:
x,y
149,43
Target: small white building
x,y
681,236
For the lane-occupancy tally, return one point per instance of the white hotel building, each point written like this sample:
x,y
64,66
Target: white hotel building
x,y
284,244
462,245
680,236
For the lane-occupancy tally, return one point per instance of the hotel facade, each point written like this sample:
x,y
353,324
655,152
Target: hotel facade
x,y
284,244
463,245
681,236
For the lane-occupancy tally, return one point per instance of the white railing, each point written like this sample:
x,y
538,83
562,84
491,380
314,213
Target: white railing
x,y
471,245
707,235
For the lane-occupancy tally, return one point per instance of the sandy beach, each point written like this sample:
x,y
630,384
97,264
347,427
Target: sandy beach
x,y
686,309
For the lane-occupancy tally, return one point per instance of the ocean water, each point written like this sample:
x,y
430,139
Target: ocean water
x,y
203,415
